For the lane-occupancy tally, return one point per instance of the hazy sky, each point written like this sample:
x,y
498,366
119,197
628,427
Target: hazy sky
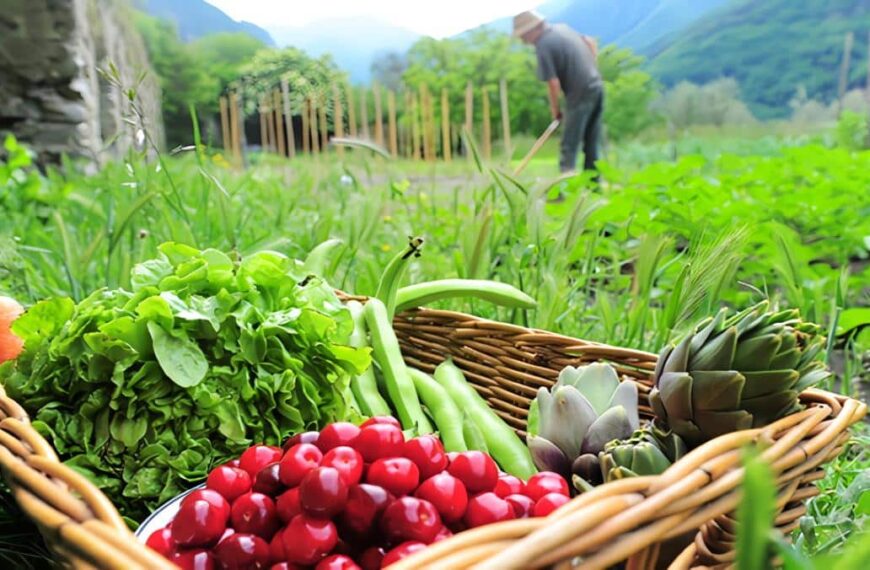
x,y
436,18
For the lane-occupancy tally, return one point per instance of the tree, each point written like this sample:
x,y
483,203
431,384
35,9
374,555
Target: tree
x,y
387,69
716,103
629,92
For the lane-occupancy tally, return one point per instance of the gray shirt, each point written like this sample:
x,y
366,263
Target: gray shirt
x,y
564,54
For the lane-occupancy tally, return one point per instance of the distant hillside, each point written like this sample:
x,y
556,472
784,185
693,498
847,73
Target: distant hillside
x,y
772,48
197,18
353,42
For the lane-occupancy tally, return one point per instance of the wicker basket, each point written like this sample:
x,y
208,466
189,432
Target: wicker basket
x,y
681,518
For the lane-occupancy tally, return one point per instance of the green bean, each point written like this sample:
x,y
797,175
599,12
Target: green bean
x,y
364,386
423,294
400,387
443,410
319,258
388,286
473,436
503,443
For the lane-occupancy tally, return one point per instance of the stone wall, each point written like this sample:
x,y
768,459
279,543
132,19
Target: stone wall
x,y
65,69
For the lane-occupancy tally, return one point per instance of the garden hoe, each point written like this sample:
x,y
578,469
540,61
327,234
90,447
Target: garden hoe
x,y
537,146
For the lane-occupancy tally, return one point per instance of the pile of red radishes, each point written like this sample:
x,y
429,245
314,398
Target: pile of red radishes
x,y
345,498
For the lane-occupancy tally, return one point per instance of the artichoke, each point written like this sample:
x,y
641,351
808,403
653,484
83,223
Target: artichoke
x,y
571,423
649,451
736,373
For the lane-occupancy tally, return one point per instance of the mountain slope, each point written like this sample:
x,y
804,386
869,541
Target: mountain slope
x,y
772,48
197,18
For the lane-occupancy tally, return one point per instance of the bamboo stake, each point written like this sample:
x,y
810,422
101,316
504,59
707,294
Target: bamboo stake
x,y
264,129
364,114
505,118
315,140
270,122
235,139
405,129
288,116
279,123
469,114
844,68
424,121
225,125
487,134
431,128
379,124
391,110
324,126
351,112
415,128
338,117
445,125
306,128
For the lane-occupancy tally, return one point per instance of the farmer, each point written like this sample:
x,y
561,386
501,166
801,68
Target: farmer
x,y
567,62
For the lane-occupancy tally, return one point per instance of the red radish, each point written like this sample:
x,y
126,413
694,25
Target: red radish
x,y
390,420
549,503
379,440
258,456
476,470
231,482
323,492
487,508
255,513
162,542
410,518
509,485
199,559
447,493
335,434
307,539
347,460
243,552
398,475
297,462
427,453
521,504
402,551
10,344
198,523
545,482
337,562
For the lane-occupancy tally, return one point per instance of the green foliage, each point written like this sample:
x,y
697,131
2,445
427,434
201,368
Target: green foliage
x,y
629,92
853,131
771,48
755,513
717,103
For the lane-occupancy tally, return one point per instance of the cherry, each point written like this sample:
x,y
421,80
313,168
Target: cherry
x,y
212,497
427,453
410,518
307,540
549,503
336,434
243,552
227,533
476,470
255,458
379,440
390,420
268,480
443,534
398,475
199,559
371,558
545,482
509,485
521,504
402,551
447,493
364,503
230,482
297,462
323,492
347,460
232,463
276,547
487,508
337,562
198,523
255,513
285,566
161,541
289,504
304,437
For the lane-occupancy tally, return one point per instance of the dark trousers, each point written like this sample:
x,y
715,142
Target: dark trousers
x,y
582,125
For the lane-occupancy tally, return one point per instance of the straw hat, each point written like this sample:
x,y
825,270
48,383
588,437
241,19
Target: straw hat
x,y
525,22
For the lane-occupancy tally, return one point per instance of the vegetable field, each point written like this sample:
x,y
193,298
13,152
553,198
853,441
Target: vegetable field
x,y
635,262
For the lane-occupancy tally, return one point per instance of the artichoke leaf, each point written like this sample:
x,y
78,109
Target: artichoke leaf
x,y
571,416
718,354
756,353
625,395
548,457
717,390
612,424
714,424
675,391
766,382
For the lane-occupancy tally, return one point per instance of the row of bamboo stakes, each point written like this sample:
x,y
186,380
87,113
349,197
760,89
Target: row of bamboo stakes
x,y
417,138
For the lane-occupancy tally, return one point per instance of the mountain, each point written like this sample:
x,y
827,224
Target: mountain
x,y
771,48
637,24
197,18
353,42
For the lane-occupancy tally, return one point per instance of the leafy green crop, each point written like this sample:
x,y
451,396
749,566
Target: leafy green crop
x,y
144,391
